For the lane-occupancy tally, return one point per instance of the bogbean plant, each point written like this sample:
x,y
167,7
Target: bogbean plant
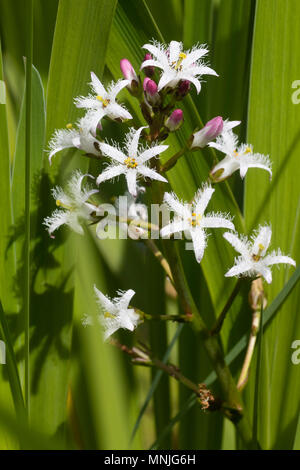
x,y
170,73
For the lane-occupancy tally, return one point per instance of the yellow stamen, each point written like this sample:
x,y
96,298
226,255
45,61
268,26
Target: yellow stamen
x,y
103,101
258,256
130,162
108,315
177,65
248,150
61,204
195,219
236,154
69,125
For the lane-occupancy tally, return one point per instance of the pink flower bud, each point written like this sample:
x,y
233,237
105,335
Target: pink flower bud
x,y
127,70
183,88
150,88
149,71
175,120
210,132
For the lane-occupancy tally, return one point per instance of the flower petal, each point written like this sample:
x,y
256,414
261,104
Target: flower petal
x,y
175,48
149,173
241,246
158,52
199,243
131,181
133,145
112,152
194,55
180,208
239,268
202,198
125,298
97,86
105,303
271,259
212,221
117,87
262,240
152,152
110,172
174,227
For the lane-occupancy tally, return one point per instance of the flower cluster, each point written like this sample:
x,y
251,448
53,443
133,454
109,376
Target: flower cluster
x,y
170,75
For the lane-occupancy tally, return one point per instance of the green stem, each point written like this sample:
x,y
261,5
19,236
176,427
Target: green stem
x,y
233,406
250,350
27,202
219,322
160,257
172,161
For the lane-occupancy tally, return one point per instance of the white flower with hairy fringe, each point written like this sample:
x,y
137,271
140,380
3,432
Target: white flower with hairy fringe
x,y
115,313
73,205
103,102
125,215
238,157
79,137
178,65
190,218
132,162
253,260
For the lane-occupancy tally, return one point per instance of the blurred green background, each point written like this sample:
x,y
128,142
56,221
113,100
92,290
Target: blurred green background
x,y
84,394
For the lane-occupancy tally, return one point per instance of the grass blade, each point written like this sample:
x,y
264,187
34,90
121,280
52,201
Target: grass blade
x,y
27,203
155,381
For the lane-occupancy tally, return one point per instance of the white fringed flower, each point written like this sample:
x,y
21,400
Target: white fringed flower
x,y
177,65
103,102
115,313
73,205
189,217
238,157
253,259
132,162
125,215
80,138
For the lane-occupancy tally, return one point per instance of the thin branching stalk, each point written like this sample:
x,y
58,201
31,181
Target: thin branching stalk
x,y
220,320
160,257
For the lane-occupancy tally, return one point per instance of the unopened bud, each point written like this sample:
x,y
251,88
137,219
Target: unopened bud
x,y
183,89
257,296
127,70
150,88
210,131
175,121
149,71
130,75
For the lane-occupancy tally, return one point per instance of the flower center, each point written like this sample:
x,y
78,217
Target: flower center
x,y
131,162
195,219
108,315
258,255
105,102
61,204
177,64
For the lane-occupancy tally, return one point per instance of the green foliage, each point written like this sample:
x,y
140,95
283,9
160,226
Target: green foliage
x,y
83,393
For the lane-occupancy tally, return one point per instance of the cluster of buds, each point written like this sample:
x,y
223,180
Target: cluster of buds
x,y
152,99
